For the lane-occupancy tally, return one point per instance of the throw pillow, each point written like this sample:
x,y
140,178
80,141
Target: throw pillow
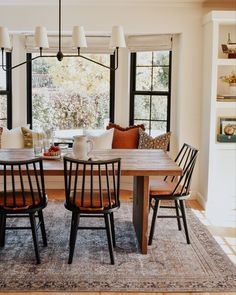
x,y
11,138
116,126
29,136
101,141
148,142
125,138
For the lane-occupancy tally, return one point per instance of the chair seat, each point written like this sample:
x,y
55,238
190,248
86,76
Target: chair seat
x,y
163,188
96,204
19,200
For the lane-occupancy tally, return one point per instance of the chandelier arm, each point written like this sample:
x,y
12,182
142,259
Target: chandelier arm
x,y
96,62
20,64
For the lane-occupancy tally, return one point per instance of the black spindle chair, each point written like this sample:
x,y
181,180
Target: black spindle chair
x,y
22,194
92,190
175,189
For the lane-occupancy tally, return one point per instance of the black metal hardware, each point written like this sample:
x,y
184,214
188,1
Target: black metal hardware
x,y
60,55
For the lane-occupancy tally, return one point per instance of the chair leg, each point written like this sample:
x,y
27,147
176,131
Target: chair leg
x,y
42,226
35,237
177,214
154,217
182,207
2,229
109,237
113,229
73,235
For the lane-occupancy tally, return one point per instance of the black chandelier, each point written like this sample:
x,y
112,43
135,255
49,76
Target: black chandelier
x,y
79,41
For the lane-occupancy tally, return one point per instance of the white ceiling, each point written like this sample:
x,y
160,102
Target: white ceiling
x,y
98,2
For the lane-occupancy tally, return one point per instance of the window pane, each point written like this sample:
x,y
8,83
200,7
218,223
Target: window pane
x,y
160,78
3,110
142,107
161,58
3,83
74,93
143,78
145,123
158,128
151,92
159,108
144,58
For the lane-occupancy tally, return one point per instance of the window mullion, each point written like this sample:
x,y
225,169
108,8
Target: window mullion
x,y
147,62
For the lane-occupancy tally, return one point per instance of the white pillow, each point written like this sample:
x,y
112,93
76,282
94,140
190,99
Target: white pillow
x,y
102,141
12,138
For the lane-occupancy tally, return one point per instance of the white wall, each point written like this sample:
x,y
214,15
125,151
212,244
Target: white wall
x,y
184,22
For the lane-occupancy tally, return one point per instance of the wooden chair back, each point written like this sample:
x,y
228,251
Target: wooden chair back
x,y
186,159
92,185
22,185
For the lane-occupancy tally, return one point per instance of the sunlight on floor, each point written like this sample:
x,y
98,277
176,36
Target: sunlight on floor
x,y
222,227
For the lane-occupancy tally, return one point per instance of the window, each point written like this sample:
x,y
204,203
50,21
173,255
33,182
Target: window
x,y
71,94
150,90
6,94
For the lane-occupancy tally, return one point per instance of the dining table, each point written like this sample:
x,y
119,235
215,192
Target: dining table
x,y
141,164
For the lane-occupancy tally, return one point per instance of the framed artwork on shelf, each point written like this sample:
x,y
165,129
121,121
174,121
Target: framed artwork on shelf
x,y
227,129
228,122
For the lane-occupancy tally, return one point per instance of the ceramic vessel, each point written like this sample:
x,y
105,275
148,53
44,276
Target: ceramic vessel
x,y
82,147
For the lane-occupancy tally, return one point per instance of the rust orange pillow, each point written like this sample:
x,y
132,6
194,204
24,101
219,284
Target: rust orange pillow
x,y
125,138
116,126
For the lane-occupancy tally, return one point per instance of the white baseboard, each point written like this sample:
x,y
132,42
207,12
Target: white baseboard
x,y
201,200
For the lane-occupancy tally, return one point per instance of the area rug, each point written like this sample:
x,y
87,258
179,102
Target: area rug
x,y
170,265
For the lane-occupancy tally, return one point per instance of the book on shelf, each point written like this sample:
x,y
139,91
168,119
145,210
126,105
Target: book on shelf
x,y
226,97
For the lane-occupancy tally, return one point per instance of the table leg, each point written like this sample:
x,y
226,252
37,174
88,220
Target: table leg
x,y
140,210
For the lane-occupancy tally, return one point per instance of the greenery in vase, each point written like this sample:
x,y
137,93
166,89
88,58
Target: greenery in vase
x,y
230,79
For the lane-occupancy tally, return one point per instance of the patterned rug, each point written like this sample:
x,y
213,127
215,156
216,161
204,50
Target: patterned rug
x,y
170,265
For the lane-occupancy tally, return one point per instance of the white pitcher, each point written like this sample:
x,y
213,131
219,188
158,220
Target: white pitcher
x,y
82,147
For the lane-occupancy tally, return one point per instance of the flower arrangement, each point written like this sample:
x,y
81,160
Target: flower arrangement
x,y
230,79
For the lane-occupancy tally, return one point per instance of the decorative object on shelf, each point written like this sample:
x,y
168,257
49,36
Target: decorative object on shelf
x,y
231,80
79,41
226,138
225,121
229,48
227,129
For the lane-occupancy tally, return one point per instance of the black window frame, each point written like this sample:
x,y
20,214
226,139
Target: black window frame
x,y
133,92
29,89
8,91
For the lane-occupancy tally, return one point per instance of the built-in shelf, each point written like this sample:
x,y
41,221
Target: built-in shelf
x,y
226,104
225,145
226,61
217,175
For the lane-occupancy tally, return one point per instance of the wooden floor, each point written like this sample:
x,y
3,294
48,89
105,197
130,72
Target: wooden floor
x,y
226,238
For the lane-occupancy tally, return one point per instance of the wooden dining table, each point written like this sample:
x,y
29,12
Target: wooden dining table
x,y
139,163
